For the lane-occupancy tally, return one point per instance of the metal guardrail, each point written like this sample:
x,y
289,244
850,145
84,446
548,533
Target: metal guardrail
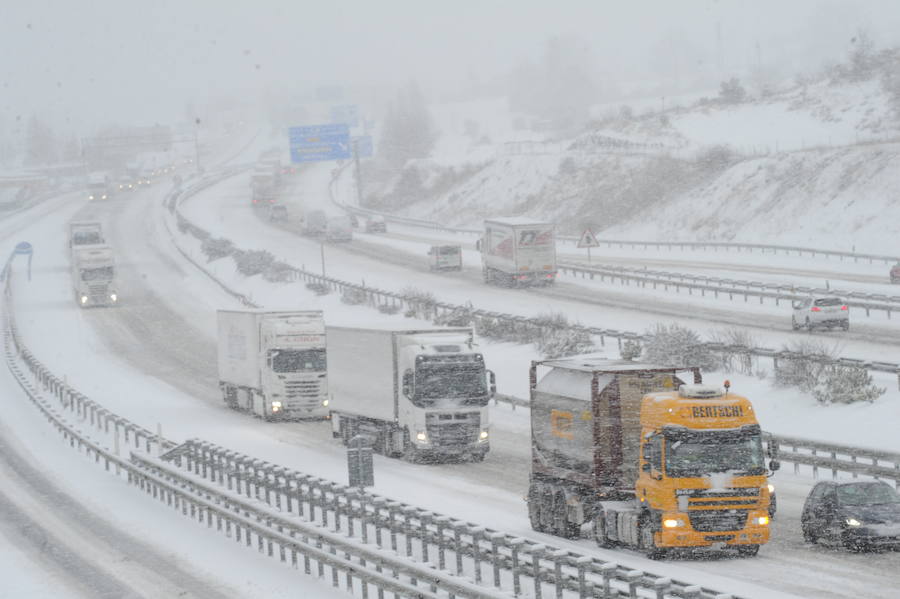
x,y
716,286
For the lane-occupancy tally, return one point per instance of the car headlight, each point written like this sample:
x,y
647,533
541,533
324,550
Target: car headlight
x,y
421,437
673,523
113,297
325,402
84,299
761,521
90,197
853,522
771,488
483,435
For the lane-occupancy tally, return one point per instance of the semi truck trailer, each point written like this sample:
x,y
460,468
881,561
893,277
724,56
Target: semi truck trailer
x,y
273,364
83,233
518,251
421,394
649,461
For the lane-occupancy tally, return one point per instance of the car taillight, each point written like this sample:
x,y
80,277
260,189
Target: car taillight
x,y
844,308
815,309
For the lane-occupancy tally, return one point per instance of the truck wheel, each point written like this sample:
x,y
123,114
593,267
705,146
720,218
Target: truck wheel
x,y
794,325
845,325
809,326
747,550
478,456
545,509
561,525
601,536
648,545
535,493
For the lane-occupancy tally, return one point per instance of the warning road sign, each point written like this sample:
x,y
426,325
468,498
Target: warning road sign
x,y
588,240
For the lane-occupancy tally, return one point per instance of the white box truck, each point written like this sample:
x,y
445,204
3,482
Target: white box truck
x,y
518,251
272,363
94,275
417,393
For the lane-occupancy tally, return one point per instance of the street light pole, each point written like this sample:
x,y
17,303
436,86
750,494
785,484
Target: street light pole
x,y
197,143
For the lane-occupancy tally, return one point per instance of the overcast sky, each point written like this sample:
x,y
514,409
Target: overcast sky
x,y
87,62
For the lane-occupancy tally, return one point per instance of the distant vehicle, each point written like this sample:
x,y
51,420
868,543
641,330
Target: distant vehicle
x,y
895,273
339,228
518,251
418,393
98,187
376,224
445,257
94,275
273,364
126,185
315,223
855,515
262,187
817,311
83,233
278,212
144,179
354,220
651,462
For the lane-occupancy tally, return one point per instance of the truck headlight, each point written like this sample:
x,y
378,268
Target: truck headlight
x,y
771,488
853,522
761,521
673,523
276,406
84,299
421,437
325,402
483,436
113,297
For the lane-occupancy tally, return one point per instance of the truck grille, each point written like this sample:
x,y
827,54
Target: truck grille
x,y
303,389
718,520
98,291
450,430
745,497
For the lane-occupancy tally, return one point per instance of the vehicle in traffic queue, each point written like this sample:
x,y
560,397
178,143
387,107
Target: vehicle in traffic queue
x,y
895,273
820,311
856,515
376,224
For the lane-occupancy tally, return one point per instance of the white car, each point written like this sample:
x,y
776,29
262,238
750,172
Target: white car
x,y
814,312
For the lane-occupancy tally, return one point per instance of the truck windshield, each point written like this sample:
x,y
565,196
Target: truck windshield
x,y
297,360
88,238
698,454
104,273
457,384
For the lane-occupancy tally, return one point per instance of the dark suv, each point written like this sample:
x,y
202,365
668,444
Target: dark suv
x,y
856,515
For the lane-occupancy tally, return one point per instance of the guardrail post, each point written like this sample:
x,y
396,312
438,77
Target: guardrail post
x,y
608,570
662,586
633,577
582,563
457,548
692,592
558,556
424,520
495,555
536,551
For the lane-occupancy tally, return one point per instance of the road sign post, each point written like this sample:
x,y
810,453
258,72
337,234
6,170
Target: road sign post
x,y
360,464
588,240
23,248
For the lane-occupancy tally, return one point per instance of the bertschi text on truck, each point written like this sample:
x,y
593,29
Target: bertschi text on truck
x,y
418,393
651,462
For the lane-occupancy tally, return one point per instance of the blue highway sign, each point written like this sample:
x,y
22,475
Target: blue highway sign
x,y
320,142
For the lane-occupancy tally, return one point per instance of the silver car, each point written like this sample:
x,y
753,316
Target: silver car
x,y
820,311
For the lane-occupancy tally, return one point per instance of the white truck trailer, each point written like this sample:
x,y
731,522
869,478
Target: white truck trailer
x,y
272,363
94,275
518,251
417,393
85,232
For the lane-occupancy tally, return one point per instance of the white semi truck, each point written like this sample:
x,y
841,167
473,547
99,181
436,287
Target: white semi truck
x,y
94,275
518,251
272,363
416,393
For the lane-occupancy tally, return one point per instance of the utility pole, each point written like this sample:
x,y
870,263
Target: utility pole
x,y
197,143
359,193
322,250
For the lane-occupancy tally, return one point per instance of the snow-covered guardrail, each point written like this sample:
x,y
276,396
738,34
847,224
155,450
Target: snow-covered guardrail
x,y
670,281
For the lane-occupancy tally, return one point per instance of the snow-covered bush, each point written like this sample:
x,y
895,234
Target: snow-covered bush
x,y
556,338
675,345
419,303
461,316
631,350
805,365
734,358
216,248
252,262
279,272
846,384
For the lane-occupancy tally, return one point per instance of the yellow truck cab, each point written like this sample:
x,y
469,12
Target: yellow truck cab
x,y
703,470
649,461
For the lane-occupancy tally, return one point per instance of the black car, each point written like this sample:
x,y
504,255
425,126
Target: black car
x,y
856,515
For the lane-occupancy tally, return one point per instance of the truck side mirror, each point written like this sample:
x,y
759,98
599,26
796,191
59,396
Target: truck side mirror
x,y
772,448
407,384
645,467
774,465
493,381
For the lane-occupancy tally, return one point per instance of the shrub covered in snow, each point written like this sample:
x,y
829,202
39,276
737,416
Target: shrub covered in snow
x,y
846,384
733,357
216,248
805,366
253,262
675,345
